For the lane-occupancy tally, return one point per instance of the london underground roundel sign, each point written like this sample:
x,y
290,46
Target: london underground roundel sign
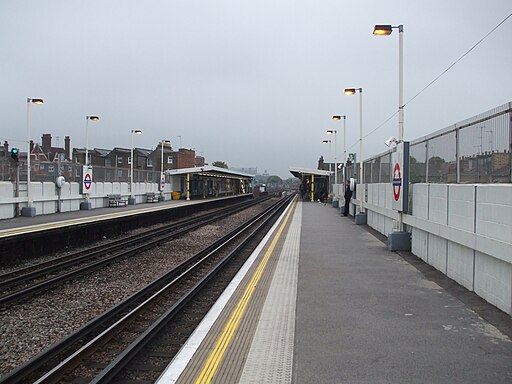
x,y
87,181
397,182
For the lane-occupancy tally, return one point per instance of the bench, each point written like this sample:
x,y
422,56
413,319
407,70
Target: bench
x,y
151,197
116,201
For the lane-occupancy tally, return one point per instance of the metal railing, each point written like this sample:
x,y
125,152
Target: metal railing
x,y
476,150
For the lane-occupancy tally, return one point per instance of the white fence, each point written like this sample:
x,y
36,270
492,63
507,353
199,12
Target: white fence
x,y
464,231
48,199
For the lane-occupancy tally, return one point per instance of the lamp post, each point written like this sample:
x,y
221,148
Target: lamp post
x,y
87,118
399,240
352,91
330,132
330,154
344,117
386,30
131,200
162,176
86,205
29,210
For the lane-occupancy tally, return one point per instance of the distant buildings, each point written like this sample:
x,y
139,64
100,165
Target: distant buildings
x,y
48,161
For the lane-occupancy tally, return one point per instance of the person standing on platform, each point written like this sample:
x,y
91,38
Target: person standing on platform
x,y
347,196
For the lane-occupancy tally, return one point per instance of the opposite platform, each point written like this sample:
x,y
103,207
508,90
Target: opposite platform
x,y
357,314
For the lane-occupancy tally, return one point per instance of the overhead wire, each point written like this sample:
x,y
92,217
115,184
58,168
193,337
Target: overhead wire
x,y
438,77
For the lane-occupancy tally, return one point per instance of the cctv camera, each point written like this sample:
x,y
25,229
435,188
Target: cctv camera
x,y
391,140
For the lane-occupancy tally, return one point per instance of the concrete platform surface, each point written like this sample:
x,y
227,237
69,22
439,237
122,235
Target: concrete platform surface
x,y
333,305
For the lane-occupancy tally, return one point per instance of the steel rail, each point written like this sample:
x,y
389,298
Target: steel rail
x,y
123,248
38,362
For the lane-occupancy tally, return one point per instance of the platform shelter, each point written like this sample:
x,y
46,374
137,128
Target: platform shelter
x,y
208,181
314,183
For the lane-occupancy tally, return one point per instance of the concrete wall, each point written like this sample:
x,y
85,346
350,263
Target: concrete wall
x,y
46,197
464,231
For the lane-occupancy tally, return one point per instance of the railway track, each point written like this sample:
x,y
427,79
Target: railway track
x,y
104,347
24,282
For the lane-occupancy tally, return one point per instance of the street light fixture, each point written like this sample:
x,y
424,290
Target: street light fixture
x,y
330,132
162,176
131,200
86,205
330,154
29,210
337,118
349,92
386,30
87,118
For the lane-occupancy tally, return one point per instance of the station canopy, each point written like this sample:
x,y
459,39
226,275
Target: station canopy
x,y
301,172
210,171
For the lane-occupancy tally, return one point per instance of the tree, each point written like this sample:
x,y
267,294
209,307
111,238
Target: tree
x,y
274,180
220,164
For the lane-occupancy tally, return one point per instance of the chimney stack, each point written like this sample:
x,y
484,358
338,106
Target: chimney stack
x,y
6,148
31,147
67,147
46,142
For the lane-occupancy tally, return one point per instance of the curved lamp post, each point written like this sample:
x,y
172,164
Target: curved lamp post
x,y
131,200
29,210
386,30
335,133
330,155
162,176
86,204
350,92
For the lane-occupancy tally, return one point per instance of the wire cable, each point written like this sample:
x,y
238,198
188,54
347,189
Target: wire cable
x,y
437,78
459,59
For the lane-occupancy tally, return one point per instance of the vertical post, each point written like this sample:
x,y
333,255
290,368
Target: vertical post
x,y
29,190
344,149
335,166
188,186
131,169
361,167
400,83
86,140
401,102
162,160
312,188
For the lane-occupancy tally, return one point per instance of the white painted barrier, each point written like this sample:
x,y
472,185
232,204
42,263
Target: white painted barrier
x,y
463,230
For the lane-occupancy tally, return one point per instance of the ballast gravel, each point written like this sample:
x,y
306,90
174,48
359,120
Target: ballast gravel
x,y
28,328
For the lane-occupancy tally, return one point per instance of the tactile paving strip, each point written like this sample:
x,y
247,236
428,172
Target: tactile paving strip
x,y
270,358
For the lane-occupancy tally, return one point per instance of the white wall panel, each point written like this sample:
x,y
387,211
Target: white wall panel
x,y
461,207
461,264
493,281
437,252
494,211
420,200
438,203
419,243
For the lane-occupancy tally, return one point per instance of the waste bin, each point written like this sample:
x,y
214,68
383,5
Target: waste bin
x,y
175,195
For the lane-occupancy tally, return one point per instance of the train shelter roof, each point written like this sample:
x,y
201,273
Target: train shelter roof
x,y
210,171
301,172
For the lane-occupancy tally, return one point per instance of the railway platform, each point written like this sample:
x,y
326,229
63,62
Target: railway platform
x,y
322,300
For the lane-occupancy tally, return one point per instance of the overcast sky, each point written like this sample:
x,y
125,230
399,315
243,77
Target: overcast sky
x,y
253,82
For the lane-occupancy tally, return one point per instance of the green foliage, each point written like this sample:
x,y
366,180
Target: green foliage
x,y
220,164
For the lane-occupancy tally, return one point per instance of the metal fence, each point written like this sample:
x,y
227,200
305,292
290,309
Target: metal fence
x,y
49,171
476,150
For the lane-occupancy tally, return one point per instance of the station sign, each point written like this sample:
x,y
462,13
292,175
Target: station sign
x,y
400,177
162,181
86,179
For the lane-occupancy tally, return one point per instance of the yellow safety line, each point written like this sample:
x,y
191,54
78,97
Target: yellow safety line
x,y
217,354
84,220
